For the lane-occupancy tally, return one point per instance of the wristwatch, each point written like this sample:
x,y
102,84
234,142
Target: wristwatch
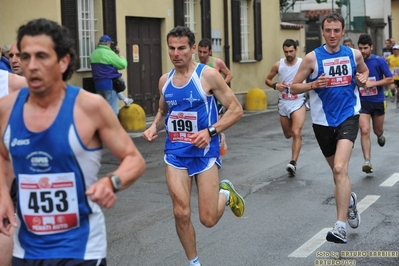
x,y
212,131
116,182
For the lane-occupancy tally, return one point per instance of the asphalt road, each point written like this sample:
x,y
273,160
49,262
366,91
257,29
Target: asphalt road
x,y
286,219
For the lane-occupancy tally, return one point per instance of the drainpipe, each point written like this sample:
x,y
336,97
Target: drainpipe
x,y
226,33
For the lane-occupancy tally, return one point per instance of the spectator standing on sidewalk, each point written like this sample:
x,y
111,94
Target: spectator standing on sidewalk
x,y
105,65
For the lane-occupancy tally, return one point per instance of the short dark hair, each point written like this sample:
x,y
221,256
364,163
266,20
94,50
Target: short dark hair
x,y
365,39
60,36
182,31
333,16
389,40
205,43
347,39
290,42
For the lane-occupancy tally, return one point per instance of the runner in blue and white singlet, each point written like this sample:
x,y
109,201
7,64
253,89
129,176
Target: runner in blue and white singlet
x,y
334,71
190,110
339,100
52,137
52,181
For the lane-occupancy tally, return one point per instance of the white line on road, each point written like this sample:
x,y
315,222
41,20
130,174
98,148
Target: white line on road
x,y
320,238
391,181
310,246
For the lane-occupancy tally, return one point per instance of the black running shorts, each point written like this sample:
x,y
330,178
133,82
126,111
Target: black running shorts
x,y
14,194
327,137
373,109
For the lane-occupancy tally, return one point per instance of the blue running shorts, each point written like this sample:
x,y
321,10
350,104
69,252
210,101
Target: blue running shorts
x,y
194,165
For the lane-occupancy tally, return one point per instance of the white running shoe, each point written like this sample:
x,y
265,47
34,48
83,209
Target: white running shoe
x,y
353,215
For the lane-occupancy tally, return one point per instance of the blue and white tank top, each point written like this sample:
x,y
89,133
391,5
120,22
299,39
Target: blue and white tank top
x,y
53,169
339,100
190,110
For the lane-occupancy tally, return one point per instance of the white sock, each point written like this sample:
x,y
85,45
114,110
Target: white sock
x,y
226,193
194,262
342,224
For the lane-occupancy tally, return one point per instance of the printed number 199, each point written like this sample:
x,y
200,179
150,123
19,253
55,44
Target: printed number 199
x,y
182,125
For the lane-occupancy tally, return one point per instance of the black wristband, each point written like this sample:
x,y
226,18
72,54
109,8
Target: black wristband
x,y
275,85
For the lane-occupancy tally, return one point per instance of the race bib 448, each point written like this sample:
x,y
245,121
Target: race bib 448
x,y
338,70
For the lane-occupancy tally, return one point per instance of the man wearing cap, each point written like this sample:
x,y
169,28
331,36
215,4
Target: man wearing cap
x,y
4,63
393,62
5,50
105,64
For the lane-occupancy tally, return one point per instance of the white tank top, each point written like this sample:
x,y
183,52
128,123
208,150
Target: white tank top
x,y
286,74
3,83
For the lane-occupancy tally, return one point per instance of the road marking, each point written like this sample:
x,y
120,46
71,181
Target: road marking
x,y
310,246
320,238
391,181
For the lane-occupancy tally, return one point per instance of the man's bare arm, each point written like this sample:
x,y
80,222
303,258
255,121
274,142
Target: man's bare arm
x,y
273,72
362,70
228,76
305,69
226,97
100,122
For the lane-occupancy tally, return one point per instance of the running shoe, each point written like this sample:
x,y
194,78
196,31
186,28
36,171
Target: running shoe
x,y
337,235
381,140
236,202
128,102
353,215
291,168
367,167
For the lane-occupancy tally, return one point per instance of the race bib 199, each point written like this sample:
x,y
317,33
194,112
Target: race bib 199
x,y
182,125
49,202
338,70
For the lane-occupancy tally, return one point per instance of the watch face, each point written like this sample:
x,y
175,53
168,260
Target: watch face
x,y
212,131
116,182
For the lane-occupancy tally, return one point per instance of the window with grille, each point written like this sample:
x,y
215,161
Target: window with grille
x,y
244,29
189,21
246,25
87,42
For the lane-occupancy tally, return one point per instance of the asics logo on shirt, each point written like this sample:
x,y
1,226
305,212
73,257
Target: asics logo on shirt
x,y
19,142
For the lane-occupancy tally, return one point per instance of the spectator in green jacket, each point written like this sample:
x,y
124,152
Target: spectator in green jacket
x,y
105,64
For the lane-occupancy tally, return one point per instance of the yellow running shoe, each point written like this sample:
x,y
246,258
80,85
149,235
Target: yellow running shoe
x,y
236,202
